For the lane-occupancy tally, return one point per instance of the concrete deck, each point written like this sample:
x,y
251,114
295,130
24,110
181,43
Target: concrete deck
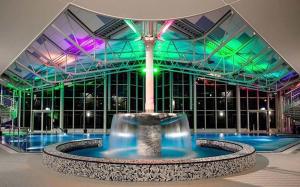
x,y
272,169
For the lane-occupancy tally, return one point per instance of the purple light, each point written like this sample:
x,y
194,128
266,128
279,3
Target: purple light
x,y
87,43
289,76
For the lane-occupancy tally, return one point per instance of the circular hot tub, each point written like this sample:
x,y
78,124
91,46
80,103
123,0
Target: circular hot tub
x,y
60,158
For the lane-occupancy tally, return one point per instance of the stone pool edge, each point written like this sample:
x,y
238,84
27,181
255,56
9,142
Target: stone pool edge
x,y
54,156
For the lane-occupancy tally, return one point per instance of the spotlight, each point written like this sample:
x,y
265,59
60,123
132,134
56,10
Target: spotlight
x,y
221,113
88,114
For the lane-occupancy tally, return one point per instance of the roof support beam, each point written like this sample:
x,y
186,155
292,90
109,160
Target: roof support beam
x,y
250,60
36,74
240,30
49,60
226,16
74,43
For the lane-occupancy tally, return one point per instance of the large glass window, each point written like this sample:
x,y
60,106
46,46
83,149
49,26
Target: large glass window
x,y
215,101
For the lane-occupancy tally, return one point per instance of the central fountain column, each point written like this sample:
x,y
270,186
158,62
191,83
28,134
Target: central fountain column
x,y
149,136
149,104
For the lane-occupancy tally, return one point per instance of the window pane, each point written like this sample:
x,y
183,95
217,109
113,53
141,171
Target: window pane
x,y
68,118
262,121
210,103
244,119
200,119
231,119
252,103
99,120
221,123
89,119
210,119
231,103
78,119
221,103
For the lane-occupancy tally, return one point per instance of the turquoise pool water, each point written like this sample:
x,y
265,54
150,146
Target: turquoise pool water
x,y
262,143
197,152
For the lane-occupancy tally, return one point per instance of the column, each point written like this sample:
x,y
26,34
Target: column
x,y
149,104
42,113
163,91
136,92
52,108
95,101
1,94
171,91
128,91
12,112
156,96
31,112
19,108
216,107
279,112
268,114
204,89
23,109
248,117
105,103
195,103
238,109
61,106
258,109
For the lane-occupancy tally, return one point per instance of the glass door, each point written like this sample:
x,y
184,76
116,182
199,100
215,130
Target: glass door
x,y
253,121
42,121
46,121
37,121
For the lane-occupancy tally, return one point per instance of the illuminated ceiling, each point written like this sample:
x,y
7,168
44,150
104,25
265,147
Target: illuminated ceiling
x,y
217,45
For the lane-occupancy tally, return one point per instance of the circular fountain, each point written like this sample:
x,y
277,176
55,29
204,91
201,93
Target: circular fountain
x,y
149,146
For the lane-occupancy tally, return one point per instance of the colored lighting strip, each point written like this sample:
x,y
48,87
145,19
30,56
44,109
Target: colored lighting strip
x,y
131,25
133,28
164,28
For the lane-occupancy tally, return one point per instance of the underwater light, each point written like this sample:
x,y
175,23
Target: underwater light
x,y
221,135
176,134
122,134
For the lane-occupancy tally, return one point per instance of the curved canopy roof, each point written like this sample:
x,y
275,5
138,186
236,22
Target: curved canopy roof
x,y
217,45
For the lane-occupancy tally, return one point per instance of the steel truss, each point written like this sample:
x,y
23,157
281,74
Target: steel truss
x,y
109,61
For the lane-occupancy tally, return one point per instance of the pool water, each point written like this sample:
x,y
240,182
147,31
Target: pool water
x,y
198,152
262,143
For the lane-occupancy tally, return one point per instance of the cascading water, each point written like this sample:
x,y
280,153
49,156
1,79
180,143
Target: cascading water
x,y
149,135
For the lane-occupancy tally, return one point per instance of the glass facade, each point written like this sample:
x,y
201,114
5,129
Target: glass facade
x,y
91,104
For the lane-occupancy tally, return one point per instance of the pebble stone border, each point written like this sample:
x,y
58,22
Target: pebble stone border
x,y
56,157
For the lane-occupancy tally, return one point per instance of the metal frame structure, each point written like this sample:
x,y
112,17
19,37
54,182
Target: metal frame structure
x,y
169,53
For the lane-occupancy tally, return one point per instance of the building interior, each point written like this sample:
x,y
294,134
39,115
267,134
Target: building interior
x,y
69,68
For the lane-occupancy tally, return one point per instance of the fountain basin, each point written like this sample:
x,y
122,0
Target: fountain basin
x,y
57,157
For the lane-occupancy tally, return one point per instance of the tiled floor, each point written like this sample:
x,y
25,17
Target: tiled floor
x,y
26,170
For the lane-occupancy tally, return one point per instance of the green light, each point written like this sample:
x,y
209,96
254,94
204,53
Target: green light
x,y
10,85
56,87
155,70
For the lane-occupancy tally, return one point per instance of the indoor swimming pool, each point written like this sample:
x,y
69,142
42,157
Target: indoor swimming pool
x,y
262,143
